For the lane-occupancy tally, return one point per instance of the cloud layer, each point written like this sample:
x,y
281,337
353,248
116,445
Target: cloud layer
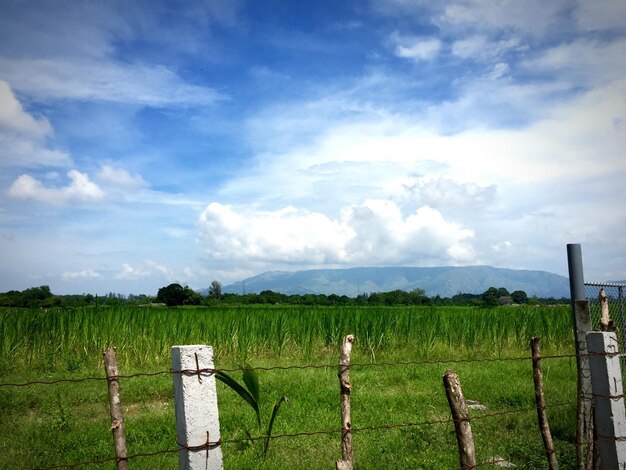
x,y
220,139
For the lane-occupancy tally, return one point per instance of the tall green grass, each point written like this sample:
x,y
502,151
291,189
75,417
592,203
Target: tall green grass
x,y
69,422
146,334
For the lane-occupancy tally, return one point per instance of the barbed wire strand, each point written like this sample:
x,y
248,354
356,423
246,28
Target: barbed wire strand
x,y
208,371
211,445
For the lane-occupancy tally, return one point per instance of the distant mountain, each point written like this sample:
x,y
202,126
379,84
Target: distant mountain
x,y
443,281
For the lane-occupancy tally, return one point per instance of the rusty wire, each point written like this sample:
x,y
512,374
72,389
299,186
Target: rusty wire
x,y
208,445
209,371
595,396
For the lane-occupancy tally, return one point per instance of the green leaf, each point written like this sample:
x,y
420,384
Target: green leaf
x,y
280,401
251,380
241,391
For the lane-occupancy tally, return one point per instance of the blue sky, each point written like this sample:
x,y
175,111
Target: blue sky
x,y
147,142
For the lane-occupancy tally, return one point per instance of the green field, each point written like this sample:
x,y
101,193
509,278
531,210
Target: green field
x,y
67,423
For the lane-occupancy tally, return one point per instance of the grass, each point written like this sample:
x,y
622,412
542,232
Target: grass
x,y
66,423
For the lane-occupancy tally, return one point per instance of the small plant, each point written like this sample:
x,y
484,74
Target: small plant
x,y
62,420
251,394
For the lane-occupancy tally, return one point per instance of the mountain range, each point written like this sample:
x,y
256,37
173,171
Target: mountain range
x,y
444,281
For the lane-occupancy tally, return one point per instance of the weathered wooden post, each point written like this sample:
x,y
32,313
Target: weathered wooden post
x,y
540,399
115,404
606,324
464,437
195,402
346,422
608,394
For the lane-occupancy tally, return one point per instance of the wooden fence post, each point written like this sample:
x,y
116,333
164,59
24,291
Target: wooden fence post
x,y
195,402
346,423
464,438
115,404
542,416
608,396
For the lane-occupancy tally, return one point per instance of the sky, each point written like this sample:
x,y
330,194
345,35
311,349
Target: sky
x,y
150,142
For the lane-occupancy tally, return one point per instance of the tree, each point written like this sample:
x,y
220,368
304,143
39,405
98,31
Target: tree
x,y
191,296
172,295
215,290
502,292
490,297
519,297
35,296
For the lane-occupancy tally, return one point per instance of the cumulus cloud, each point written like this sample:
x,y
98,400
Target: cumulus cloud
x,y
374,232
497,178
23,136
415,48
448,195
81,188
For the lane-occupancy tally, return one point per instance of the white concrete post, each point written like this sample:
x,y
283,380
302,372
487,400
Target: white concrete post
x,y
608,395
195,401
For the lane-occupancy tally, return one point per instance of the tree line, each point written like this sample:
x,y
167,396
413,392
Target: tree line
x,y
176,294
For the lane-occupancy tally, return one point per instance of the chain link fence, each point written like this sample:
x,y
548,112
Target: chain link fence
x,y
615,296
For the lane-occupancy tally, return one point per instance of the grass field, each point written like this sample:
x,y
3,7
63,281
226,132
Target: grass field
x,y
67,423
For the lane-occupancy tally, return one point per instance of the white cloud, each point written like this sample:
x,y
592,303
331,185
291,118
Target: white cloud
x,y
379,158
119,177
416,48
23,136
449,195
85,274
158,268
372,233
91,80
481,48
128,272
533,17
81,188
13,118
147,269
592,15
498,180
589,63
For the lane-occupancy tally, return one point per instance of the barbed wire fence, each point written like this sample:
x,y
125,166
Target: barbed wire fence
x,y
210,445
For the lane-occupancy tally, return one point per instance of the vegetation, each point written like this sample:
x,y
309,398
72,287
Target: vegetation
x,y
175,294
215,291
67,423
250,392
146,334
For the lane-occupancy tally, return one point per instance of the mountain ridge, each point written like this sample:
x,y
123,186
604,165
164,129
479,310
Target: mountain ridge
x,y
445,281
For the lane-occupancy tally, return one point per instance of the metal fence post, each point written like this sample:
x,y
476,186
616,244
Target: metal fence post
x,y
622,320
608,395
582,325
576,273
